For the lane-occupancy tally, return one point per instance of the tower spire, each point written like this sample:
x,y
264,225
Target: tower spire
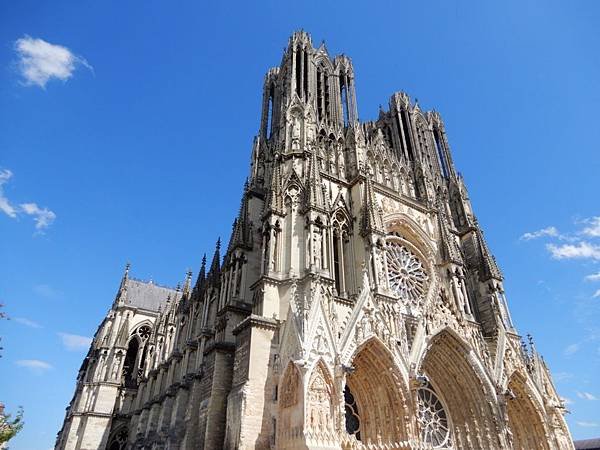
x,y
371,219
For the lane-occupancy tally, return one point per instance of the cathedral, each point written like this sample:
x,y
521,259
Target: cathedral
x,y
356,306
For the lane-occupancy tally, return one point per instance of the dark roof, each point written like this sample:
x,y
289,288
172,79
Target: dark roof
x,y
147,295
588,444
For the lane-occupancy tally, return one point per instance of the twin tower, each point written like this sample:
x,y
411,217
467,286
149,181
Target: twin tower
x,y
357,305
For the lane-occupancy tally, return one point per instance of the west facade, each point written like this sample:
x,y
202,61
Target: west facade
x,y
357,305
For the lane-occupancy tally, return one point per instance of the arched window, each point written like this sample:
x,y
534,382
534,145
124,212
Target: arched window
x,y
352,414
344,100
322,93
341,253
119,440
269,121
129,367
435,424
440,153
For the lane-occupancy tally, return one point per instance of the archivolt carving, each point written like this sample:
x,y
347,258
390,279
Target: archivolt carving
x,y
525,416
320,415
470,396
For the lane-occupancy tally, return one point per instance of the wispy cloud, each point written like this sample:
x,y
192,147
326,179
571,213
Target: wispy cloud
x,y
596,294
593,227
593,277
43,217
74,342
27,322
586,396
35,365
47,291
5,206
581,250
40,61
587,424
571,349
548,231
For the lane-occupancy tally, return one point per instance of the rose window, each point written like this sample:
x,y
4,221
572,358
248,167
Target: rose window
x,y
406,273
144,332
435,427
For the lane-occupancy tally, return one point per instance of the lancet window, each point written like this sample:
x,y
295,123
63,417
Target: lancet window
x,y
342,253
136,356
441,154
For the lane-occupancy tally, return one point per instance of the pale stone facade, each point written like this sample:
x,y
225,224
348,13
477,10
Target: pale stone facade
x,y
357,306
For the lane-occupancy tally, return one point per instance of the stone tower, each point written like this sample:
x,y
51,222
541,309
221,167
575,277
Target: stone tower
x,y
357,304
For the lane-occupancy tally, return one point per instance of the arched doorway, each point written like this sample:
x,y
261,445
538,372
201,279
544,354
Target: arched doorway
x,y
456,402
524,419
375,400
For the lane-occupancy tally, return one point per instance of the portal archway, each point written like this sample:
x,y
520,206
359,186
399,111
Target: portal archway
x,y
375,394
456,379
524,417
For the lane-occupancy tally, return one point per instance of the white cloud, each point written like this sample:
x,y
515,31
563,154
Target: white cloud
x,y
5,205
596,294
593,228
588,424
74,342
35,365
41,61
586,396
548,231
27,322
571,349
593,277
43,217
572,251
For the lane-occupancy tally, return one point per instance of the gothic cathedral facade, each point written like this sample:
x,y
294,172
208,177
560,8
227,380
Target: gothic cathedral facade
x,y
357,305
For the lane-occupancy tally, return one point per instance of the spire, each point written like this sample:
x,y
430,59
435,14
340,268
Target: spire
x,y
491,269
187,284
314,191
122,294
215,266
241,232
200,281
371,218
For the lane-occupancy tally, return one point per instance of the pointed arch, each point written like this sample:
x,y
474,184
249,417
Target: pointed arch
x,y
459,379
525,415
321,401
376,398
118,438
290,415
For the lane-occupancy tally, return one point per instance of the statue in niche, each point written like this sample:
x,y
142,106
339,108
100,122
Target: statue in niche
x,y
295,132
317,241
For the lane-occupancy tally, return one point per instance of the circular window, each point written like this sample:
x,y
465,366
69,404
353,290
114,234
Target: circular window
x,y
435,427
406,273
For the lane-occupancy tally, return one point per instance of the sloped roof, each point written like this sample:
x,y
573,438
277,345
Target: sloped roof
x,y
588,444
147,295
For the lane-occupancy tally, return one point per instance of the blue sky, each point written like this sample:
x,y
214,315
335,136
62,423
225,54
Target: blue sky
x,y
132,140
